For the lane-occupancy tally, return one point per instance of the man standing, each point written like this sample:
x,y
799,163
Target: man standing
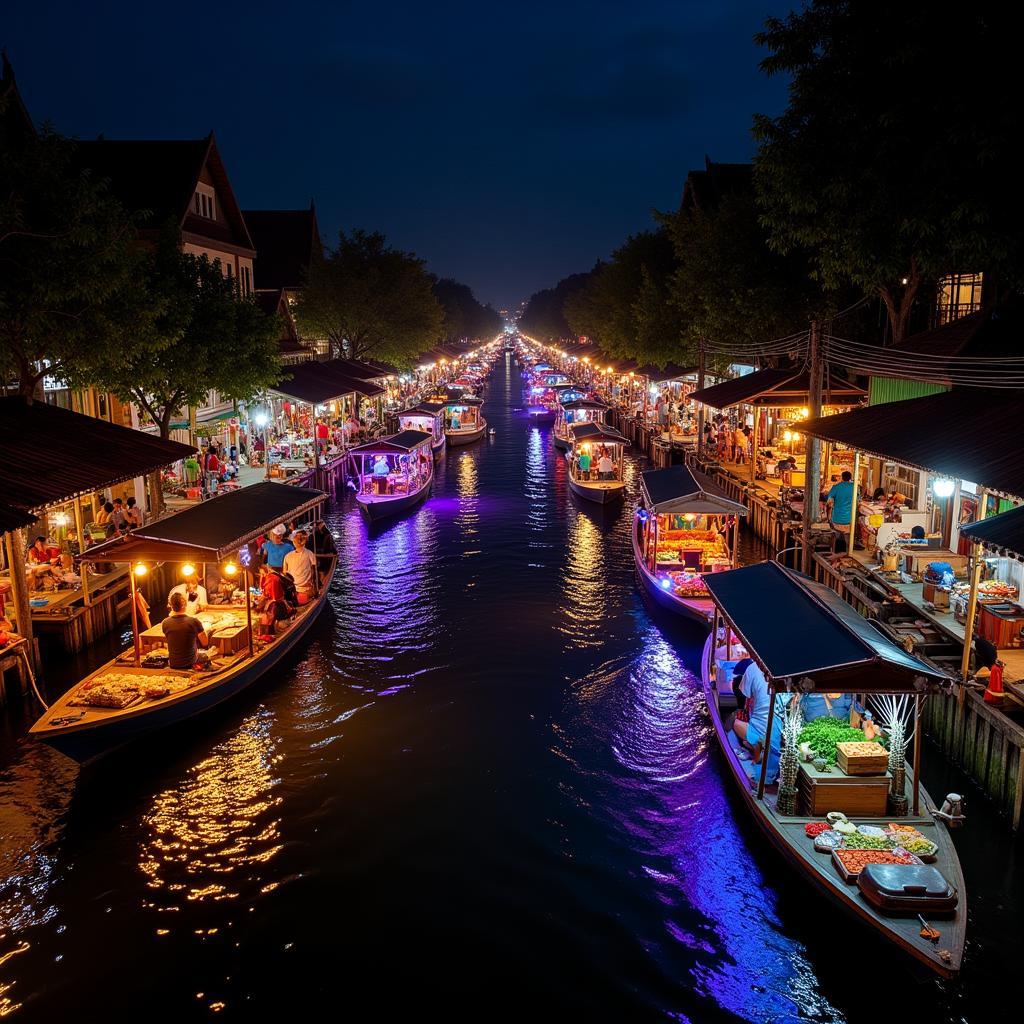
x,y
839,503
275,547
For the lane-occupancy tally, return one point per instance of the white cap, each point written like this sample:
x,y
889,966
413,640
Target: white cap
x,y
279,529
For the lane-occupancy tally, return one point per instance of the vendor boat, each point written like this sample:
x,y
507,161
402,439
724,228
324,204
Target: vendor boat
x,y
572,412
807,640
393,474
428,417
590,441
684,529
463,423
132,697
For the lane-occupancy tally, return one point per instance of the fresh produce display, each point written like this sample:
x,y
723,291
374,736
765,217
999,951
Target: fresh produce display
x,y
862,842
822,735
920,846
996,588
846,828
815,828
828,841
855,861
688,584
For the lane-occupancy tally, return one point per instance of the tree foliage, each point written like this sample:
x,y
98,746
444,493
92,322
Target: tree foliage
x,y
465,317
66,256
370,301
894,161
544,315
185,331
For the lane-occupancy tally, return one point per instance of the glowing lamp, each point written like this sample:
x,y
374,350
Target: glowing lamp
x,y
261,420
642,515
689,517
188,570
943,487
140,569
787,435
666,583
231,569
805,413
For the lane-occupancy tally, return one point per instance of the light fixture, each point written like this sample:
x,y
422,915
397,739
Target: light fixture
x,y
231,569
805,413
140,569
943,487
666,583
188,570
787,435
261,420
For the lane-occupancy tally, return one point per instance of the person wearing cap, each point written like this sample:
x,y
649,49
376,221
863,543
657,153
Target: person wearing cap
x,y
275,547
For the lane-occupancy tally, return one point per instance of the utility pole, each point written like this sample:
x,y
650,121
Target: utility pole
x,y
812,467
700,405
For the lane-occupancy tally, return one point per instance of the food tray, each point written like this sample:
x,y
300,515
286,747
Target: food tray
x,y
862,758
842,858
826,842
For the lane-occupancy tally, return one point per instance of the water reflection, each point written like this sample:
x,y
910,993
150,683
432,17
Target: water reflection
x,y
585,593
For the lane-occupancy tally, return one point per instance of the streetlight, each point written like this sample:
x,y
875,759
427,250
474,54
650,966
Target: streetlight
x,y
261,420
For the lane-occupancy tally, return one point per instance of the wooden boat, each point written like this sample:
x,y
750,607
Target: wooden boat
x,y
589,442
463,422
572,412
428,417
215,532
393,474
805,638
681,533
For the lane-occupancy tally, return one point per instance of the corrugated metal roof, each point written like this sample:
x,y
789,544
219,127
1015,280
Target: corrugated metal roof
x,y
405,441
52,455
775,388
14,518
964,434
1002,533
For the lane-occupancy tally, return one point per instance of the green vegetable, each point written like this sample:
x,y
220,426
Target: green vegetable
x,y
862,842
823,734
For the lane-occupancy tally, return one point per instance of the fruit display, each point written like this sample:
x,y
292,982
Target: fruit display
x,y
853,862
688,584
996,588
815,828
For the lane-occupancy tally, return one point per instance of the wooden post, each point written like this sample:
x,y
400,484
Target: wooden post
x,y
135,617
19,589
83,565
917,754
700,405
812,474
856,501
766,746
735,538
972,611
753,447
248,608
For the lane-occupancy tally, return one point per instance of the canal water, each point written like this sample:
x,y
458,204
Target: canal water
x,y
485,788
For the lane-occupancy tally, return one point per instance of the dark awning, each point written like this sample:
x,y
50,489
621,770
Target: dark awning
x,y
961,434
212,530
584,403
405,441
795,628
681,490
316,383
598,432
664,374
463,401
52,455
775,389
1003,533
428,408
14,518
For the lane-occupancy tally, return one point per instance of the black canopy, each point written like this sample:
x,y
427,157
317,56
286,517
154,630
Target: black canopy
x,y
598,432
405,441
316,383
679,489
584,403
464,401
796,628
1003,533
774,389
212,530
424,409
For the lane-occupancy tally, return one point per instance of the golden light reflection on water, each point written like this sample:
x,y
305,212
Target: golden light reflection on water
x,y
468,483
209,834
581,612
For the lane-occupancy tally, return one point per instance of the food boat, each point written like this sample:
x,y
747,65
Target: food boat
x,y
591,441
849,827
428,417
573,412
463,423
131,696
393,474
684,528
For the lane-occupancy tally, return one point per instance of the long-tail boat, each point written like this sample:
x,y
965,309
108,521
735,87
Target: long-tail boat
x,y
463,422
133,695
393,474
807,640
573,412
591,442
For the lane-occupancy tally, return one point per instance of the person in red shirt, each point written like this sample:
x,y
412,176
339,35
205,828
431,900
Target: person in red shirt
x,y
40,554
273,603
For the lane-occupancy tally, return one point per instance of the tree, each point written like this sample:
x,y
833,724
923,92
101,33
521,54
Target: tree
x,y
370,301
465,317
66,256
894,162
544,316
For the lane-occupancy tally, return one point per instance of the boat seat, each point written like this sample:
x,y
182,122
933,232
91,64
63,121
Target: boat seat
x,y
692,558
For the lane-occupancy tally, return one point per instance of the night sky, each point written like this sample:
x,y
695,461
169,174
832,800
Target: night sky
x,y
508,145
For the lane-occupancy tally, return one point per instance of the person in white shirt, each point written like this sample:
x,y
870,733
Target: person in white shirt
x,y
605,467
300,564
195,597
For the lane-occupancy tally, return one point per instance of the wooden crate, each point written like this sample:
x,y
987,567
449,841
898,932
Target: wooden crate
x,y
851,763
862,797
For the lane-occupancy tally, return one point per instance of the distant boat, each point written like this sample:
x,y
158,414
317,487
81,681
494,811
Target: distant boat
x,y
393,474
681,532
463,422
572,413
591,441
428,417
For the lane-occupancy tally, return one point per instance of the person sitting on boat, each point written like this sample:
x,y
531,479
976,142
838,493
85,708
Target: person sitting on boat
x,y
752,687
826,705
195,594
584,465
273,604
381,469
184,635
300,564
276,546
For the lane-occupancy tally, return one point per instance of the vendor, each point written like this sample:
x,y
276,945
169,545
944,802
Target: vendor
x,y
840,503
276,546
195,595
380,474
826,705
43,554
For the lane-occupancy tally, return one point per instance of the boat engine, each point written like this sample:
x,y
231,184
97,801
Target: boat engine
x,y
952,812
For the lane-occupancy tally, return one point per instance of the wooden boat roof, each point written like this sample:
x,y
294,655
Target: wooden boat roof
x,y
212,530
464,401
680,489
1003,533
424,409
597,432
405,441
584,403
796,629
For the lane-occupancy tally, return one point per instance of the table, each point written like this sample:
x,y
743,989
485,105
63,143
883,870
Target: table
x,y
228,639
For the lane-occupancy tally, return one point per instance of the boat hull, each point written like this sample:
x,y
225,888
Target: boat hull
x,y
459,438
696,609
600,495
379,507
900,930
561,443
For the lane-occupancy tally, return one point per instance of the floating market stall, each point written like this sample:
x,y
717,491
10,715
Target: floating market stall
x,y
684,529
572,413
427,417
595,460
463,421
135,693
393,474
839,811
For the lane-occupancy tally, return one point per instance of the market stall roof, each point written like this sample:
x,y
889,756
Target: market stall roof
x,y
53,455
960,433
464,400
358,369
598,432
775,388
405,441
796,628
14,518
664,374
1003,533
424,409
212,530
584,403
315,383
679,489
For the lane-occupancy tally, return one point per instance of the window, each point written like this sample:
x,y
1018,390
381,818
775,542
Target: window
x,y
204,202
246,281
959,294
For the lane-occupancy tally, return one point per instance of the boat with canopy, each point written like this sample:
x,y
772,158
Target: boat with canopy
x,y
463,422
135,694
393,474
428,417
685,528
572,412
595,463
849,828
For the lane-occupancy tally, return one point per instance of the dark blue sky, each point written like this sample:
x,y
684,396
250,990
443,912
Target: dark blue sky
x,y
508,145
